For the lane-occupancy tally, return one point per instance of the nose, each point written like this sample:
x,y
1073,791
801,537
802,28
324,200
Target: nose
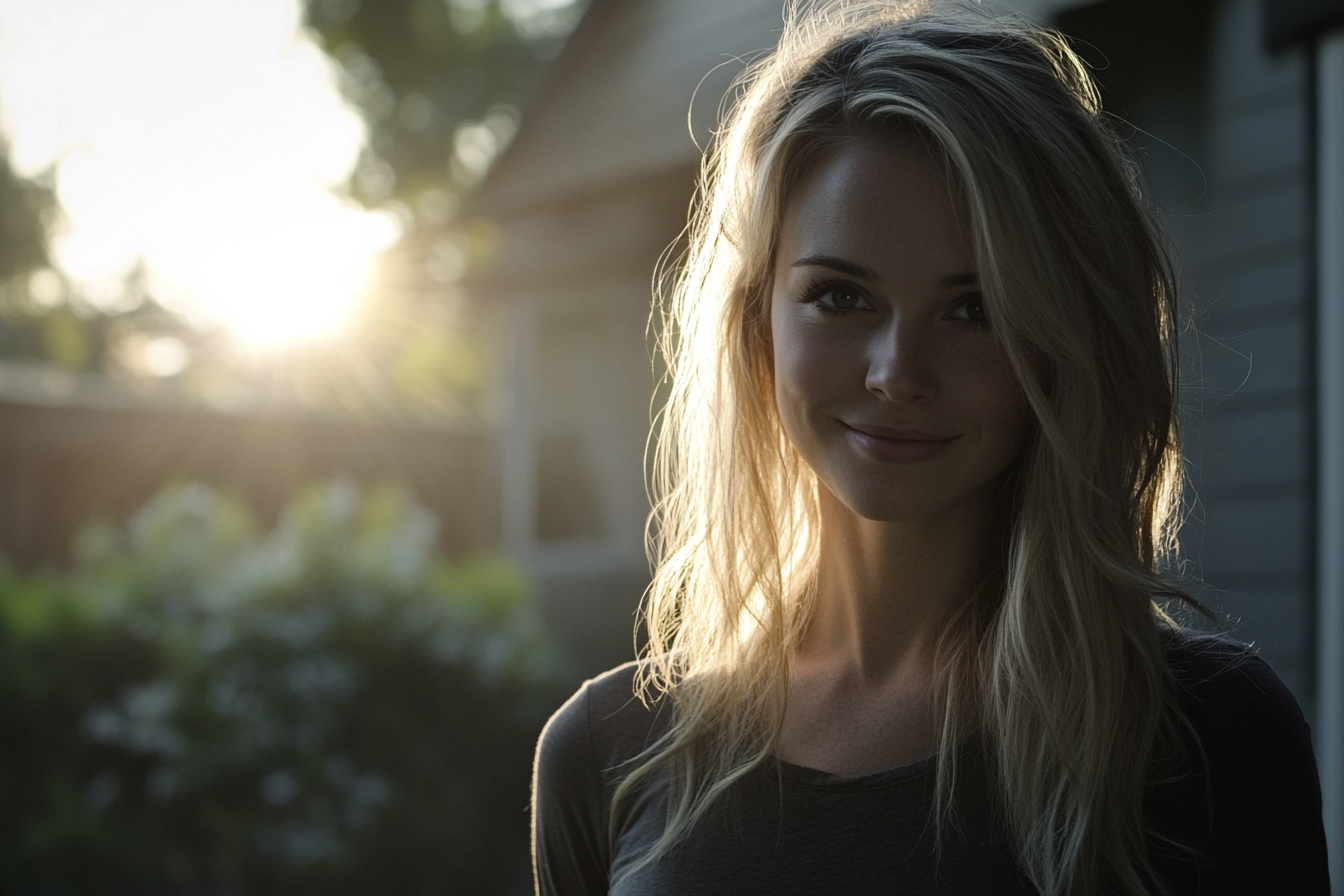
x,y
900,364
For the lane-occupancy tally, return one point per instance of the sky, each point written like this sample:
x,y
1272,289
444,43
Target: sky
x,y
202,138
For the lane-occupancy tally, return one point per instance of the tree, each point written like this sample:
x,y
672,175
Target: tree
x,y
439,83
26,207
37,321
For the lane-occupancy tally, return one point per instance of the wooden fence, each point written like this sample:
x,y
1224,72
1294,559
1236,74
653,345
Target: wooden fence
x,y
62,466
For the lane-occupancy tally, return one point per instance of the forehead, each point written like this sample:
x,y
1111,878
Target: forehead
x,y
882,199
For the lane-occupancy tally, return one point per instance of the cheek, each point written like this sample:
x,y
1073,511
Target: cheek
x,y
799,373
783,353
789,375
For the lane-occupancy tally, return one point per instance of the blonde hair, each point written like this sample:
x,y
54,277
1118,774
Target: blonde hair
x,y
1056,662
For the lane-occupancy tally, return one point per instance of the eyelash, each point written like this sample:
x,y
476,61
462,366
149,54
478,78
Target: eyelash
x,y
819,288
978,299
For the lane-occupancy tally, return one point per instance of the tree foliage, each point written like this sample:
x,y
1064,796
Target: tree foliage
x,y
40,318
26,207
439,83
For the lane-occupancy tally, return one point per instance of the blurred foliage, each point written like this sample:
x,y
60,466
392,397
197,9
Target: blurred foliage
x,y
323,708
35,321
439,83
26,207
42,319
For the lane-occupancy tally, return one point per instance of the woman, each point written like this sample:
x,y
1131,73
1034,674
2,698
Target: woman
x,y
919,470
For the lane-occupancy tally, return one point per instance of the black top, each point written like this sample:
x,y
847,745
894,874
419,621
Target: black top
x,y
1254,820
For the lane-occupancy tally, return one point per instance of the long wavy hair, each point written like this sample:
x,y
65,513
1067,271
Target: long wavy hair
x,y
1055,662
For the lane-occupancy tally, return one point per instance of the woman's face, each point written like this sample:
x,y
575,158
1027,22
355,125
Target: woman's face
x,y
888,377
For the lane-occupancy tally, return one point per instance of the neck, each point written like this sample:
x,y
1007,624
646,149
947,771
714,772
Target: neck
x,y
886,590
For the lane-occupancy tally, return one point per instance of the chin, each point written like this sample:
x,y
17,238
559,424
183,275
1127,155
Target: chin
x,y
888,506
888,503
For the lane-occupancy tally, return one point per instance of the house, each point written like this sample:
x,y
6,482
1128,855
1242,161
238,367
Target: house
x,y
1237,110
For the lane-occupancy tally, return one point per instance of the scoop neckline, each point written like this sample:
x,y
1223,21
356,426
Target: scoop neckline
x,y
817,779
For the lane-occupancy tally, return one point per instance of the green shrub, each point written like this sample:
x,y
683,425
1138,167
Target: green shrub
x,y
322,708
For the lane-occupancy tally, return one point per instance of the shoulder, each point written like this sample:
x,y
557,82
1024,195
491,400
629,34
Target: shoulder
x,y
1210,665
605,723
1254,771
588,741
1229,693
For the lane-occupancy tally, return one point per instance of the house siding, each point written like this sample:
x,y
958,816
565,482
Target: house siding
x,y
1221,128
1247,247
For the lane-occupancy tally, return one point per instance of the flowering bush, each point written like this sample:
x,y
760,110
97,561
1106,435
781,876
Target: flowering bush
x,y
323,708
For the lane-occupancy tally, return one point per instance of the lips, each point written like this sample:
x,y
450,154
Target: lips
x,y
898,433
898,444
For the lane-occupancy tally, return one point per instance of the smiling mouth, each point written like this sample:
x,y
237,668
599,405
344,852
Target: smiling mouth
x,y
898,445
897,433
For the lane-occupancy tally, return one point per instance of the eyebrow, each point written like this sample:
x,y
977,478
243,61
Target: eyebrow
x,y
966,278
837,264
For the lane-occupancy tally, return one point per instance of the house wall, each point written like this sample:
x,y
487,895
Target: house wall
x,y
1222,131
574,437
634,93
1249,250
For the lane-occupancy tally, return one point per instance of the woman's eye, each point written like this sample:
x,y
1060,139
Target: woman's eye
x,y
838,297
972,308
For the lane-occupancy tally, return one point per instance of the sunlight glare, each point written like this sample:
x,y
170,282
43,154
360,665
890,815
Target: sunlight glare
x,y
201,141
304,286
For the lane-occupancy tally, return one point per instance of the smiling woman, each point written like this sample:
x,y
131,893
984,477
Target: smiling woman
x,y
919,473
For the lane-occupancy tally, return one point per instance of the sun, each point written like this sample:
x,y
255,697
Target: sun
x,y
231,205
299,282
276,271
